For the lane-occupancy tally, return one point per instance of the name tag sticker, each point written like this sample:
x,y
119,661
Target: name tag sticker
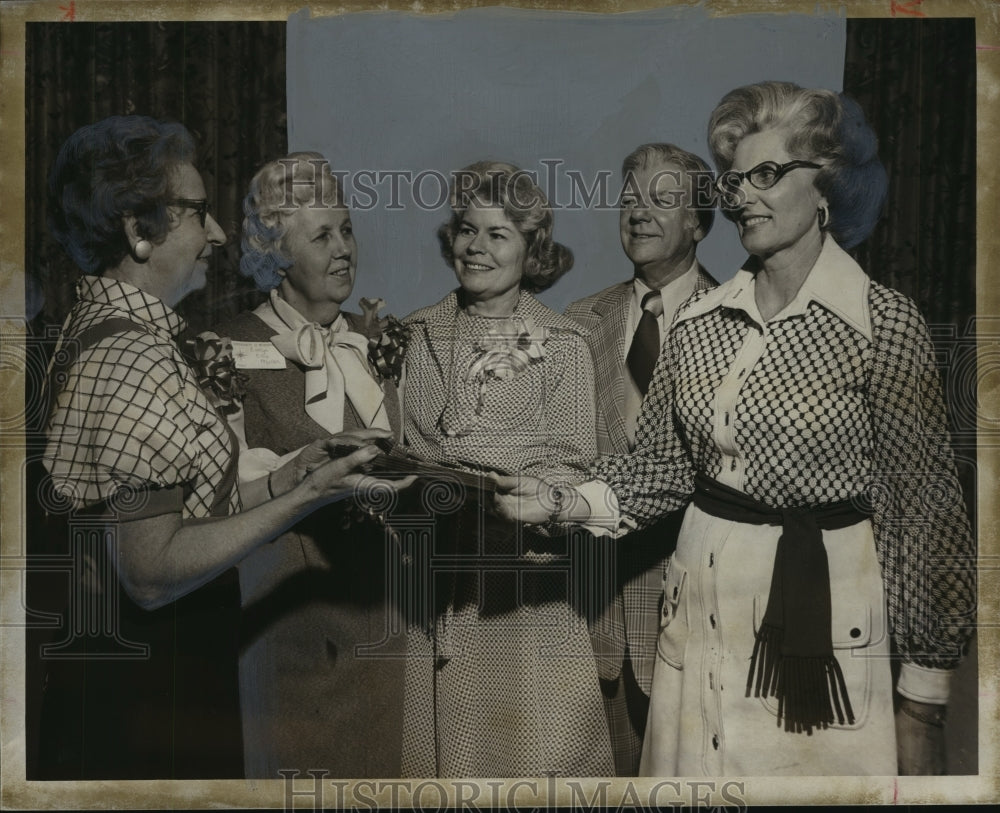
x,y
257,356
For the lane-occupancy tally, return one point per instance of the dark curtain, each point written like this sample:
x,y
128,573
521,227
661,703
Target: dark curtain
x,y
916,81
224,81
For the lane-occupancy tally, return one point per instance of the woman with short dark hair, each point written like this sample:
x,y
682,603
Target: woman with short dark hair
x,y
134,441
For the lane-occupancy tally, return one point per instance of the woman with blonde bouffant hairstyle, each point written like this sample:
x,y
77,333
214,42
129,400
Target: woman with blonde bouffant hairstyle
x,y
796,413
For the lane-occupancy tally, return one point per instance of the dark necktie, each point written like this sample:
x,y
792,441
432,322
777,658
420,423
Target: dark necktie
x,y
645,349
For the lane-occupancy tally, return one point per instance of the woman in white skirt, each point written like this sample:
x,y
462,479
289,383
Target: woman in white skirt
x,y
797,409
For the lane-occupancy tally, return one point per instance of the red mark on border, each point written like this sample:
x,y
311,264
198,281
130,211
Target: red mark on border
x,y
909,7
70,10
895,791
988,47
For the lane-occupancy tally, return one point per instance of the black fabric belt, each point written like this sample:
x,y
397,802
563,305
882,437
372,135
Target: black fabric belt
x,y
793,658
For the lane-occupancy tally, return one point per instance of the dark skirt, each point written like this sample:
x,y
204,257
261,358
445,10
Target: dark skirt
x,y
151,695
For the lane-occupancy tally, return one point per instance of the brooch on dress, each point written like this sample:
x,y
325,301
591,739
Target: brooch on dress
x,y
508,348
387,338
210,357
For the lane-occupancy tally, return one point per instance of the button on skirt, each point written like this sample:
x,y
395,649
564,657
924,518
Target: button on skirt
x,y
715,593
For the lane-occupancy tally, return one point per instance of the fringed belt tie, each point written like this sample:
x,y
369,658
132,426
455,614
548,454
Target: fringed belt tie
x,y
793,658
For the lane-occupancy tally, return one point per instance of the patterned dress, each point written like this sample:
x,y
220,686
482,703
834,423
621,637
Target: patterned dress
x,y
131,434
501,679
836,396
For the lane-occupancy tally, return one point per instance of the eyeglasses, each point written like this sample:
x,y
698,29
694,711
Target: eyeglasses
x,y
200,206
763,176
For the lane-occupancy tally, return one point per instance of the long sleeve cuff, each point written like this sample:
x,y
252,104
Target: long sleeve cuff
x,y
257,462
924,685
605,517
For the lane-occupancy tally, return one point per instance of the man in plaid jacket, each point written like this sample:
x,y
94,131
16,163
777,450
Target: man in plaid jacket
x,y
666,208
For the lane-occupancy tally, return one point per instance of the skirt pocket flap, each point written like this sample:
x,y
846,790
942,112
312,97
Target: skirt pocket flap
x,y
673,591
852,621
674,631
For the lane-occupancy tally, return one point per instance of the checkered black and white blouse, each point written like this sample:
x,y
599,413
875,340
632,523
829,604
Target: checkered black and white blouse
x,y
129,412
836,396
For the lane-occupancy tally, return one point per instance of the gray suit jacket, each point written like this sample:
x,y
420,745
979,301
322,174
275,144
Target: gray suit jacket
x,y
632,617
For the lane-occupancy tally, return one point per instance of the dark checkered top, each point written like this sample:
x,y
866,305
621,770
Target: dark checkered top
x,y
129,411
836,397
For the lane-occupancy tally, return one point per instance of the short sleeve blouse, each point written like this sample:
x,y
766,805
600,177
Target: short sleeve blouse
x,y
129,424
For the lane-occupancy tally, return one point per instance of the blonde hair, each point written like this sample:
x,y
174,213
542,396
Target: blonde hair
x,y
818,124
278,189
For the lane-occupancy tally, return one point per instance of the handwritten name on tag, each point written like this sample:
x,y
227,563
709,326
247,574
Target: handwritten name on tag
x,y
257,356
